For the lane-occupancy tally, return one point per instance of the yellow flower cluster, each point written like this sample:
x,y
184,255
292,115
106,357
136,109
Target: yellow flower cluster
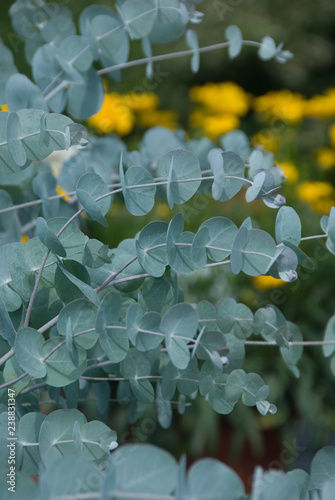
x,y
321,106
319,195
281,105
220,107
120,112
263,283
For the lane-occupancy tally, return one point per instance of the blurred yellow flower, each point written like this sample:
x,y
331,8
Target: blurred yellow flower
x,y
4,107
157,117
325,158
24,238
141,102
281,105
263,283
266,138
114,116
290,171
225,97
320,195
60,191
214,125
163,210
321,106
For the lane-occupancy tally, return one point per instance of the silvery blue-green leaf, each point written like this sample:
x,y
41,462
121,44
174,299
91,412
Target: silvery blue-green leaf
x,y
257,252
85,100
74,50
178,245
234,36
159,294
164,409
7,218
207,314
146,48
90,12
114,340
44,186
97,438
235,355
243,326
226,314
153,235
7,68
61,370
56,434
83,317
208,343
7,330
144,469
28,346
198,249
293,353
303,482
236,141
138,200
13,136
45,68
329,335
11,300
323,466
236,259
193,43
138,18
109,33
216,390
235,385
331,230
72,75
228,174
49,238
77,441
252,385
210,479
170,21
324,222
58,27
222,233
303,259
89,188
186,380
28,438
178,166
7,163
67,468
256,160
21,93
121,259
22,272
134,316
156,142
179,324
268,48
149,335
253,191
136,368
288,226
274,200
13,370
284,264
95,254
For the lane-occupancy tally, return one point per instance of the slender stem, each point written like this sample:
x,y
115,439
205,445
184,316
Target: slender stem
x,y
295,342
172,55
33,295
314,237
113,276
48,325
8,355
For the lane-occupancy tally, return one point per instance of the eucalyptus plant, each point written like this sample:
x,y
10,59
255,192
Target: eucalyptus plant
x,y
77,316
